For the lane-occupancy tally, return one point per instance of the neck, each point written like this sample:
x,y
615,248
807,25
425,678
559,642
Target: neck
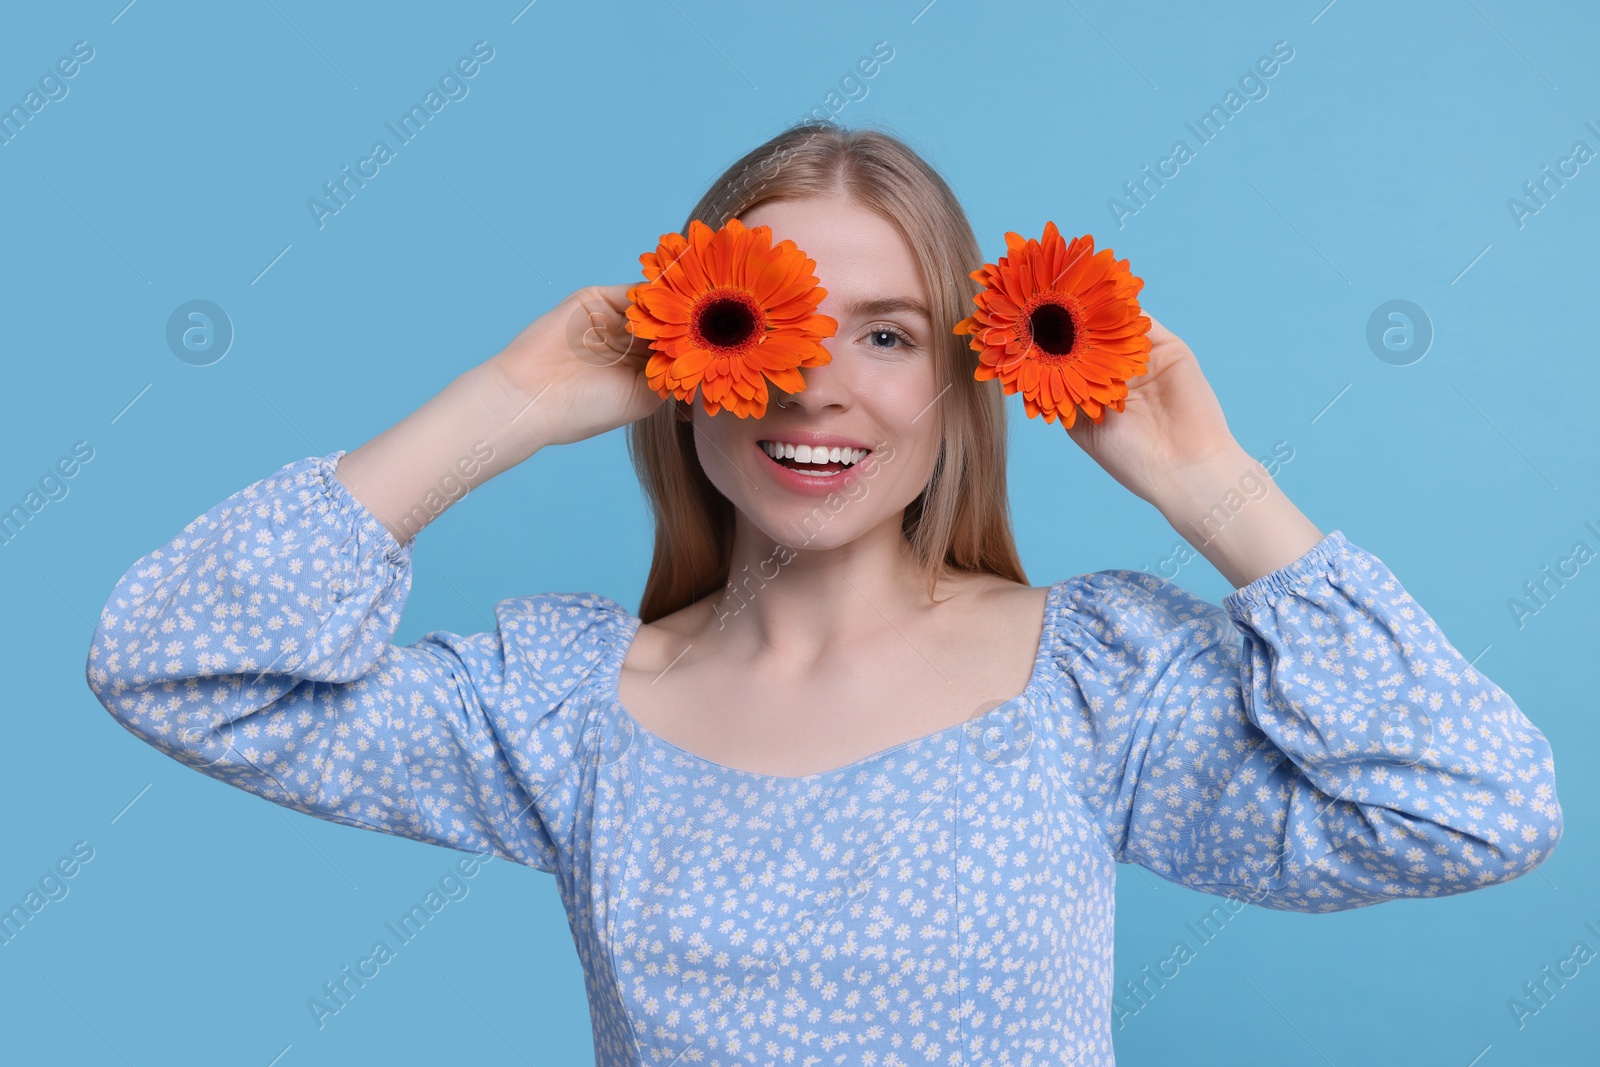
x,y
795,601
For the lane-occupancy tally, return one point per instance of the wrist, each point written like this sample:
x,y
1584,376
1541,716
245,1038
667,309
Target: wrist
x,y
1191,490
1234,515
499,409
461,437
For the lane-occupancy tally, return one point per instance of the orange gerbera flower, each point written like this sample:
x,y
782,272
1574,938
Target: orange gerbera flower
x,y
728,312
1061,323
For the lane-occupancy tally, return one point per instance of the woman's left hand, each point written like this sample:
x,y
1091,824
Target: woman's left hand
x,y
1171,422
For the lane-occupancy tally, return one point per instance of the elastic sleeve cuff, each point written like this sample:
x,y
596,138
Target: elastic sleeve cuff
x,y
373,537
1320,560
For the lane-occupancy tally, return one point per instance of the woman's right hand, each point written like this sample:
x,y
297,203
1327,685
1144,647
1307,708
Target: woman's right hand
x,y
578,369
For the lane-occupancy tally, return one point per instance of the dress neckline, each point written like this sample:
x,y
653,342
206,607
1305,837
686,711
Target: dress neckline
x,y
617,654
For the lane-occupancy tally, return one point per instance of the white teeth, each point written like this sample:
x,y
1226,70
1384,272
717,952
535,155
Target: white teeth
x,y
808,454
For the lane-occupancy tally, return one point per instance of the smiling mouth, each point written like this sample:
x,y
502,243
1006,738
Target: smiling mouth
x,y
815,461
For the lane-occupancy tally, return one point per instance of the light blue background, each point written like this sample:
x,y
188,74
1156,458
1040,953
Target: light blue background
x,y
177,168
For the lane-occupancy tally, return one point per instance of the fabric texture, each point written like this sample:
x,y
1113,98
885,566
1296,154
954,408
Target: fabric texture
x,y
1314,744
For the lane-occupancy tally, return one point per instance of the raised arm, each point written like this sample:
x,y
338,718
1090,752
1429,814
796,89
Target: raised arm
x,y
256,645
574,373
1316,744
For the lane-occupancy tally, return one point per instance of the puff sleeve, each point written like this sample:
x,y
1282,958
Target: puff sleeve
x,y
1313,745
256,647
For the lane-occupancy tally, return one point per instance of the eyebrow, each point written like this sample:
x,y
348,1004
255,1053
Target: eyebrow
x,y
887,305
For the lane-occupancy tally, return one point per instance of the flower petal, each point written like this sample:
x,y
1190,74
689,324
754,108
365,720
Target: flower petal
x,y
1111,344
740,261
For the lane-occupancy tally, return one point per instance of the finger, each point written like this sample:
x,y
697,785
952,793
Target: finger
x,y
617,343
597,329
620,337
617,295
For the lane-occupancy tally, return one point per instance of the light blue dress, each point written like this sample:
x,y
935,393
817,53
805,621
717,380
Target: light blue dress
x,y
1315,744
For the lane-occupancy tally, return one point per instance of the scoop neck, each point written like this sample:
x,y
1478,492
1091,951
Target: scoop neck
x,y
618,653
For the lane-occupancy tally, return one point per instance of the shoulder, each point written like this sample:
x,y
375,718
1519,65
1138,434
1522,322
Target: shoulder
x,y
998,605
556,608
563,635
1131,618
1128,604
991,590
1135,599
1108,603
657,644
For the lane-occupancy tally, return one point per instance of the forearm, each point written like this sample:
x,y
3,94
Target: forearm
x,y
1235,516
476,427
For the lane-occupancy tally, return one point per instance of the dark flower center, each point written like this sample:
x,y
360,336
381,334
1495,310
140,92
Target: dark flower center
x,y
1052,329
727,322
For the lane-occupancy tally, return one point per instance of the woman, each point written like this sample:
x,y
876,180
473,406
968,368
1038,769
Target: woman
x,y
847,788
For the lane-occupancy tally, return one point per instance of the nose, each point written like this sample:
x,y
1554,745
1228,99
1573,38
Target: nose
x,y
827,387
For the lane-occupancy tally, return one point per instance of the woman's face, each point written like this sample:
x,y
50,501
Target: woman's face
x,y
878,393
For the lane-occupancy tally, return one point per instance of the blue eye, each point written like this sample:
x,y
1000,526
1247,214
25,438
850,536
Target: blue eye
x,y
893,334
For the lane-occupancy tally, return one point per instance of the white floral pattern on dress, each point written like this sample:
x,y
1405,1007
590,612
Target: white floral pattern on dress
x,y
1314,744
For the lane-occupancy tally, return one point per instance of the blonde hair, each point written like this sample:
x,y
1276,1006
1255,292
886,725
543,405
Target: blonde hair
x,y
961,520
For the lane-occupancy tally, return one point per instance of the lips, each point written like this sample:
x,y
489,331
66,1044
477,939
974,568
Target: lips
x,y
811,458
813,478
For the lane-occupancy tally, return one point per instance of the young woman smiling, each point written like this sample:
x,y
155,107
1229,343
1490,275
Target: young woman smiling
x,y
875,816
